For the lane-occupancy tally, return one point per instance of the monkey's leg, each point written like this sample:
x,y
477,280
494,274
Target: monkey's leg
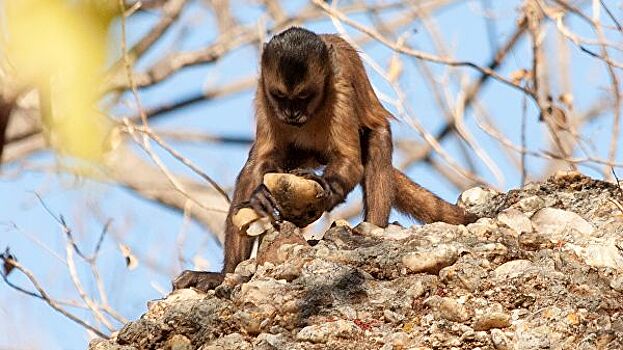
x,y
378,183
420,203
201,280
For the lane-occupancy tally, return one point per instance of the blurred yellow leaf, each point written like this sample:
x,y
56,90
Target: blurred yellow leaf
x,y
59,47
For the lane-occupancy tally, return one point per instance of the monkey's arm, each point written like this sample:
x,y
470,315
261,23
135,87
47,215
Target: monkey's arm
x,y
248,191
341,177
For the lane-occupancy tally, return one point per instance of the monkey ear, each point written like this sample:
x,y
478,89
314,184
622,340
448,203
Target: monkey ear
x,y
264,46
332,52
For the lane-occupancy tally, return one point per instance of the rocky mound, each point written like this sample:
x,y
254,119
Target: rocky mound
x,y
544,271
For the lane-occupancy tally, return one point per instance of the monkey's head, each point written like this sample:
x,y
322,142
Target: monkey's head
x,y
295,71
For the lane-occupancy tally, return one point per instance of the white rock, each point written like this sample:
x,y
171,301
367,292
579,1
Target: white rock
x,y
398,340
512,269
347,312
516,221
477,196
557,222
262,292
397,232
321,333
499,339
246,268
431,261
447,308
392,317
617,283
599,254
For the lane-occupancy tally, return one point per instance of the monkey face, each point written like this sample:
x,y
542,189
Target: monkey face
x,y
295,71
294,107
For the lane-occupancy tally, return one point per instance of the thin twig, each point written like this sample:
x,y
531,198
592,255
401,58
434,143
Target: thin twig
x,y
147,131
524,112
611,15
51,302
415,53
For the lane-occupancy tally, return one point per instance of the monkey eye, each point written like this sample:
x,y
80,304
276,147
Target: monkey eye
x,y
278,94
304,96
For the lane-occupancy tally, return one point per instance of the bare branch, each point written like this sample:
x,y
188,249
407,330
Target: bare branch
x,y
41,294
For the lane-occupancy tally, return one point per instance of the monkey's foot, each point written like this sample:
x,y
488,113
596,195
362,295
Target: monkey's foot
x,y
263,202
201,280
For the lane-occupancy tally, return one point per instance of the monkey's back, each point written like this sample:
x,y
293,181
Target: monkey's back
x,y
349,70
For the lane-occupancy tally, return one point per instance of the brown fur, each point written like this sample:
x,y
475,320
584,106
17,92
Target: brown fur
x,y
348,131
420,203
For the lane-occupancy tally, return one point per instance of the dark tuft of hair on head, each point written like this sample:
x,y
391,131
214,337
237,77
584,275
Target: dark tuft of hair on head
x,y
292,50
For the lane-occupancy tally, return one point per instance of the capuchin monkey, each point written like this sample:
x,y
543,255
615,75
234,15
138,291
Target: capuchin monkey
x,y
315,107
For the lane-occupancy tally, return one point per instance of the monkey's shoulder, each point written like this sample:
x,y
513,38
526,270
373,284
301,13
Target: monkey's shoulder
x,y
340,46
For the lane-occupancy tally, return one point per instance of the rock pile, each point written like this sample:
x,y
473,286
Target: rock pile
x,y
543,270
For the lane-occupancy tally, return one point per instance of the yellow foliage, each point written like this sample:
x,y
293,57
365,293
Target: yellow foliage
x,y
60,47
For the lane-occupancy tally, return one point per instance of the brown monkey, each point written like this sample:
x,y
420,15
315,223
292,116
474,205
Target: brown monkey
x,y
315,106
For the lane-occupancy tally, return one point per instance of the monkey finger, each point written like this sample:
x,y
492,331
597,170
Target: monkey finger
x,y
241,205
274,205
327,190
265,204
276,208
310,174
326,187
304,173
257,205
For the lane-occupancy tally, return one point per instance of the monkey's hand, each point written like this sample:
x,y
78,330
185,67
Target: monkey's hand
x,y
327,191
200,280
333,189
264,204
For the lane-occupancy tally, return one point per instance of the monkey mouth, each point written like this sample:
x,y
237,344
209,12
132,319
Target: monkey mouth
x,y
295,121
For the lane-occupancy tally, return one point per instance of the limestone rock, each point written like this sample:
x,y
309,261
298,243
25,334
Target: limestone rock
x,y
516,221
491,320
512,269
542,270
556,222
431,261
321,333
448,308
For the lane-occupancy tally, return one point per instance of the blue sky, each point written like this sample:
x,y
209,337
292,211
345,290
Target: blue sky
x,y
151,230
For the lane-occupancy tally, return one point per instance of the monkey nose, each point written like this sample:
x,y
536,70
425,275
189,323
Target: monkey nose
x,y
292,114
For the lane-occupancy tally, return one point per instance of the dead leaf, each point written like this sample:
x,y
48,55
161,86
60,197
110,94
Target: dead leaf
x,y
130,259
520,75
9,261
